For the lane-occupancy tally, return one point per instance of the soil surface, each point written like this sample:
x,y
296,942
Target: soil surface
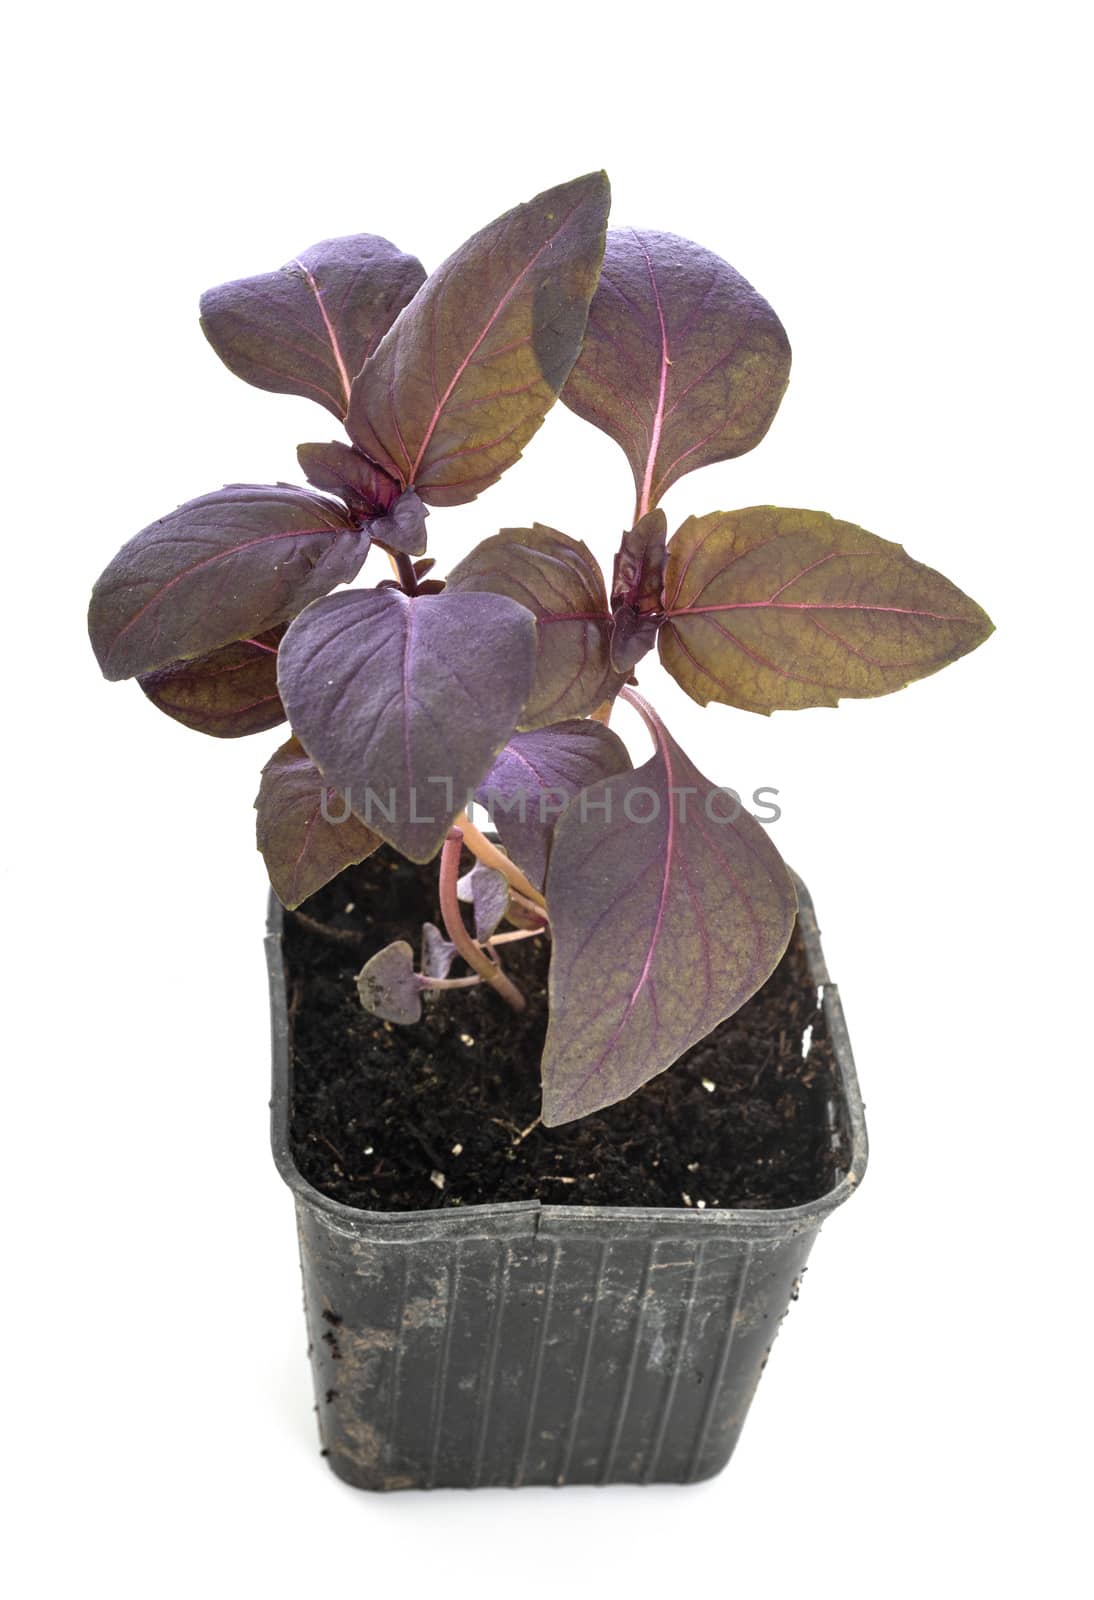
x,y
444,1113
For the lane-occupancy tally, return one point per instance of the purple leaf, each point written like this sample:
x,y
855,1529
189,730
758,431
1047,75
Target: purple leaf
x,y
559,581
403,528
309,327
535,777
305,830
227,693
464,378
487,891
228,566
770,609
683,362
388,986
638,573
637,581
633,636
437,953
669,908
341,469
404,702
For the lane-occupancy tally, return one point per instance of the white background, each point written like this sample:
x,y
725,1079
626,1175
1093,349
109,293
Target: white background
x,y
906,185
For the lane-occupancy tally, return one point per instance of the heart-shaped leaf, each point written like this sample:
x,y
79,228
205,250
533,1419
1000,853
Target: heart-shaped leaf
x,y
405,702
683,362
308,328
771,609
466,375
487,892
227,693
438,953
559,581
306,831
388,986
534,778
225,567
344,470
638,577
669,908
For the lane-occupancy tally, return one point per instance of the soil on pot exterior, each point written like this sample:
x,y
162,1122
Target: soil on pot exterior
x,y
438,1114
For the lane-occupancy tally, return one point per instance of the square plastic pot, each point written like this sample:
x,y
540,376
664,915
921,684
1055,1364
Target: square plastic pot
x,y
524,1343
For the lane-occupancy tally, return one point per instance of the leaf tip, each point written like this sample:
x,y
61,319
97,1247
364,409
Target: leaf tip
x,y
553,1110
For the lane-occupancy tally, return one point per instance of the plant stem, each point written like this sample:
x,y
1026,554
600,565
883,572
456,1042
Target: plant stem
x,y
515,934
645,711
491,856
475,956
469,983
402,566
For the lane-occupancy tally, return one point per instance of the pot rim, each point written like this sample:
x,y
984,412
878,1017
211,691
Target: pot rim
x,y
537,1216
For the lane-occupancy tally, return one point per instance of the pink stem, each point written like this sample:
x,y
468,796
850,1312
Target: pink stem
x,y
476,958
645,711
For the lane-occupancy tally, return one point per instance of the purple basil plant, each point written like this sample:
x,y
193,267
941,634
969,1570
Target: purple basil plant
x,y
665,903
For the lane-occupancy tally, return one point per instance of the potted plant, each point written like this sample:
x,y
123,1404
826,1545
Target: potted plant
x,y
501,1289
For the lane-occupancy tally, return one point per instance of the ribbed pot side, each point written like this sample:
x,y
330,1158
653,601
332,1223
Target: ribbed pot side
x,y
536,1344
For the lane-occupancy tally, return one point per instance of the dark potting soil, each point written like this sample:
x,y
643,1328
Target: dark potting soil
x,y
444,1113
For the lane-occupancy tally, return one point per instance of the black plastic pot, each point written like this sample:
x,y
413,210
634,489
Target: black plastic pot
x,y
537,1344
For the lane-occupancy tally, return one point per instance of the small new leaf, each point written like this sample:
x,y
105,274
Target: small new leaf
x,y
467,373
305,830
771,609
638,577
438,953
669,908
487,892
683,362
404,702
308,328
559,580
403,527
228,693
228,566
388,986
343,470
638,572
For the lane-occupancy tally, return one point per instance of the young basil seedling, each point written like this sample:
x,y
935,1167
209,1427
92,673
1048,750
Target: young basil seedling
x,y
666,904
